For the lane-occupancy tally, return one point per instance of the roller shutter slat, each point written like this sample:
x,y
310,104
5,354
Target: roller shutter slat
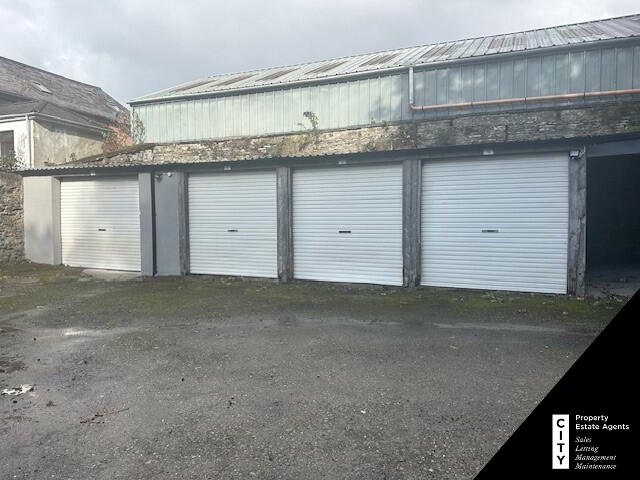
x,y
525,198
367,201
100,223
242,201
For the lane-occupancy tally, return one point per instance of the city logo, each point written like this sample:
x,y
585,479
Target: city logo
x,y
560,442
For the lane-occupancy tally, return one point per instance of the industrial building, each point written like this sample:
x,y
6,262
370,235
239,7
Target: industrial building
x,y
508,162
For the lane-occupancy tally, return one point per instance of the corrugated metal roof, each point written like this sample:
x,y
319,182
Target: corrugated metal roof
x,y
124,158
565,35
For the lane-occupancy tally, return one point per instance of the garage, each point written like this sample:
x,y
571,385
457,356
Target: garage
x,y
347,224
613,227
233,223
100,223
496,223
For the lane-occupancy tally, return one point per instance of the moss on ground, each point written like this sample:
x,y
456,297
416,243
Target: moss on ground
x,y
205,296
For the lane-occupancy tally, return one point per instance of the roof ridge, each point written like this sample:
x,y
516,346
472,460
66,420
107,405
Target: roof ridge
x,y
539,29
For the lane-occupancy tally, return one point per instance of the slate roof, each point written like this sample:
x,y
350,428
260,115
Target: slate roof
x,y
531,40
58,93
46,108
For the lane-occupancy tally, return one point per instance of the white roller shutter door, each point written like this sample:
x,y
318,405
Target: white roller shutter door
x,y
233,223
347,224
496,223
100,223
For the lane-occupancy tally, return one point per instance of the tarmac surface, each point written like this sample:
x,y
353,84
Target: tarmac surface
x,y
214,377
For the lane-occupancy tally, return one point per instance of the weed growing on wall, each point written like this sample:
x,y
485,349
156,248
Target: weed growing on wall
x,y
8,163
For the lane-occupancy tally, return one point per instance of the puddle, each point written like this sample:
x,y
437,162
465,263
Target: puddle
x,y
24,280
502,326
10,365
7,329
288,321
77,332
25,314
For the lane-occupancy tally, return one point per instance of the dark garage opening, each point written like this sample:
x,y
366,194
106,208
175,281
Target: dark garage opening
x,y
613,225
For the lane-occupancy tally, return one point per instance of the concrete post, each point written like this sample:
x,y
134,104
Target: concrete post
x,y
147,224
42,220
170,223
577,245
285,233
411,198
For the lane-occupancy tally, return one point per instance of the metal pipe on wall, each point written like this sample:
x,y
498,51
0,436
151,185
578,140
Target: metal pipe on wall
x,y
502,101
28,125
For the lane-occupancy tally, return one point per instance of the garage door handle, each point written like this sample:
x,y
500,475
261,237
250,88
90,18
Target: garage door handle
x,y
344,231
490,230
102,229
231,230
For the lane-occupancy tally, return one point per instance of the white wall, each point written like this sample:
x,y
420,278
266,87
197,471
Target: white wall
x,y
55,143
20,139
42,219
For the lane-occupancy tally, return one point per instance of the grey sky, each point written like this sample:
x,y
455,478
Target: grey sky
x,y
134,47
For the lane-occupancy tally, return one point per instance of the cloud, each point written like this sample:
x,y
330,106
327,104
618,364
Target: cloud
x,y
130,48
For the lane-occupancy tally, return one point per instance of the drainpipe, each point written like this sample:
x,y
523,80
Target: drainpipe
x,y
28,122
525,100
411,99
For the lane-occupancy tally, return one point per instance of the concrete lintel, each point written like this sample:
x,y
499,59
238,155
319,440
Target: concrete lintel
x,y
609,149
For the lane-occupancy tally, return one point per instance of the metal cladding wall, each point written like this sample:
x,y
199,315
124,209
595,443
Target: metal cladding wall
x,y
385,98
347,224
496,223
100,223
233,223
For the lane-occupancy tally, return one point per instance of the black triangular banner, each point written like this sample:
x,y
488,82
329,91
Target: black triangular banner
x,y
597,400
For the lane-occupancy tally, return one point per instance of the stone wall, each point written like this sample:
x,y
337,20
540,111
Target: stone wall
x,y
475,129
11,226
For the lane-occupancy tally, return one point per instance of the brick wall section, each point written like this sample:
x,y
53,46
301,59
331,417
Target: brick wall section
x,y
11,226
488,128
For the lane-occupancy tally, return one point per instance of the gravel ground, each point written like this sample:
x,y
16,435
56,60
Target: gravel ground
x,y
213,377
